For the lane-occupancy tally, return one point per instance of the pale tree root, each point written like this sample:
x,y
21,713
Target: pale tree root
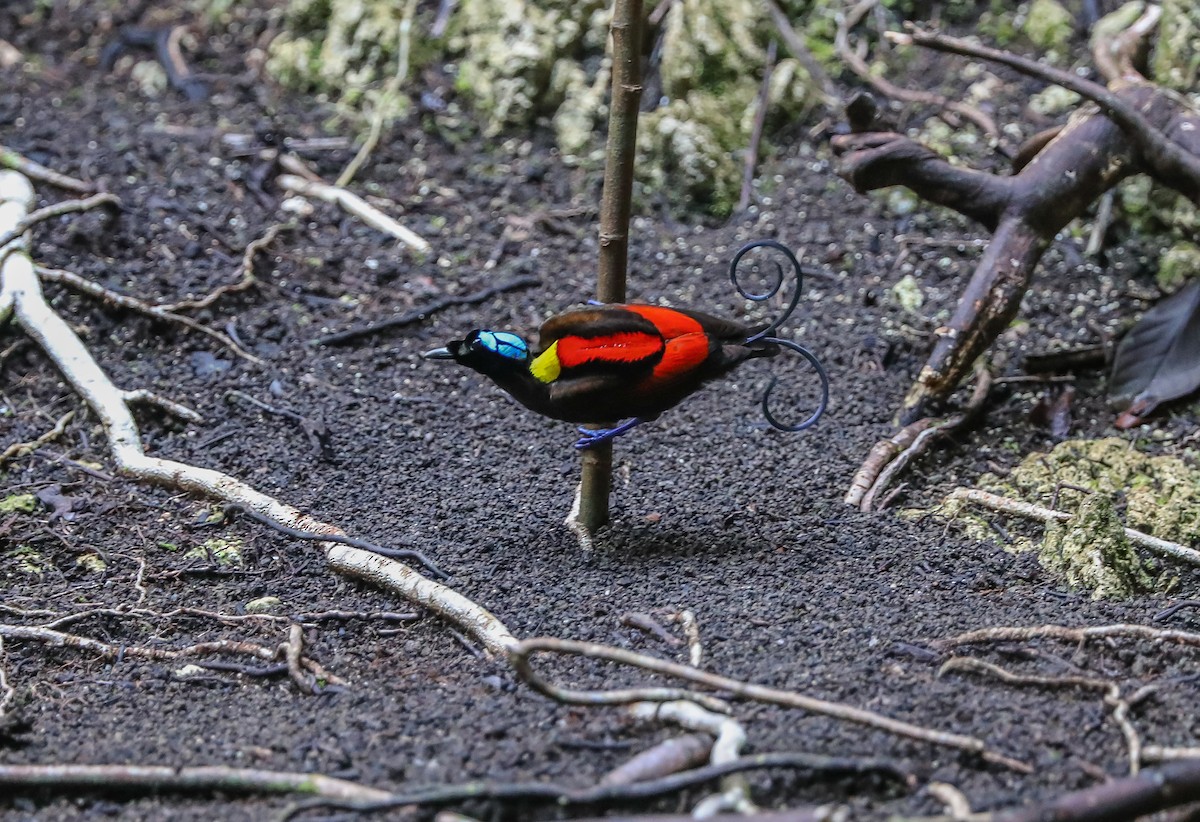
x,y
152,779
1120,704
299,667
21,299
1110,691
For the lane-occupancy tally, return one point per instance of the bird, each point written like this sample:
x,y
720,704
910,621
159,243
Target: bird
x,y
616,361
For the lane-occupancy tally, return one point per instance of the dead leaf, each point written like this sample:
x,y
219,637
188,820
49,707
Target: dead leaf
x,y
61,506
1159,359
1053,411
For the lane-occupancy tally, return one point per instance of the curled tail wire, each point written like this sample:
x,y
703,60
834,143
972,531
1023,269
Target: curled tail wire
x,y
821,374
767,334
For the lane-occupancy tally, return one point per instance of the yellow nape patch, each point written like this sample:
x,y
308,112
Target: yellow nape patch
x,y
546,367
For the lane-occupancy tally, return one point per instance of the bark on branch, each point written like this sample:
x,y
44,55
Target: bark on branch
x,y
1134,127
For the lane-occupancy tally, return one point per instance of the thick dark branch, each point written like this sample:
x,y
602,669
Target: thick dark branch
x,y
1169,147
424,312
987,306
1167,786
880,159
1087,157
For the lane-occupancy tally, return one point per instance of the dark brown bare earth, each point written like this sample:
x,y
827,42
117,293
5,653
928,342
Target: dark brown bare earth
x,y
713,511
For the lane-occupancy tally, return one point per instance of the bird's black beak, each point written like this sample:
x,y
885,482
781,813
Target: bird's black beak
x,y
442,353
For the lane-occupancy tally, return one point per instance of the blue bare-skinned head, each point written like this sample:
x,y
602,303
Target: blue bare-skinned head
x,y
484,351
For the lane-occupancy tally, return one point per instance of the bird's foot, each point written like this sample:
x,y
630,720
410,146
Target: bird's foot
x,y
595,436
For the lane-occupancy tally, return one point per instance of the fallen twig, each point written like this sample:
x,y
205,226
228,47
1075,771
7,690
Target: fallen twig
x,y
293,652
793,42
387,95
145,396
59,639
58,620
521,652
1110,690
1172,610
882,453
566,795
18,162
384,616
1006,505
1169,159
357,206
299,533
20,449
314,429
679,753
63,620
810,813
1067,634
891,456
32,218
420,314
246,278
1100,226
847,54
162,313
761,103
647,623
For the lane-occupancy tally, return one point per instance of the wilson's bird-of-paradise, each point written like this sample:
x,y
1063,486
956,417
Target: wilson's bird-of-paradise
x,y
625,361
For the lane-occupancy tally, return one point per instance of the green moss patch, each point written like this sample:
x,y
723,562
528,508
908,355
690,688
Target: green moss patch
x,y
225,552
1158,495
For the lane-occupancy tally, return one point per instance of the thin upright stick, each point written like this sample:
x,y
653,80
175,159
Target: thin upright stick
x,y
614,223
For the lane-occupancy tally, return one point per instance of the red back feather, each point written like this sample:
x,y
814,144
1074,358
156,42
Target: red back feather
x,y
669,322
681,355
622,347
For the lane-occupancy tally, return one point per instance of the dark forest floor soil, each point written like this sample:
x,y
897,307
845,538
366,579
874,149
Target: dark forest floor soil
x,y
713,511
